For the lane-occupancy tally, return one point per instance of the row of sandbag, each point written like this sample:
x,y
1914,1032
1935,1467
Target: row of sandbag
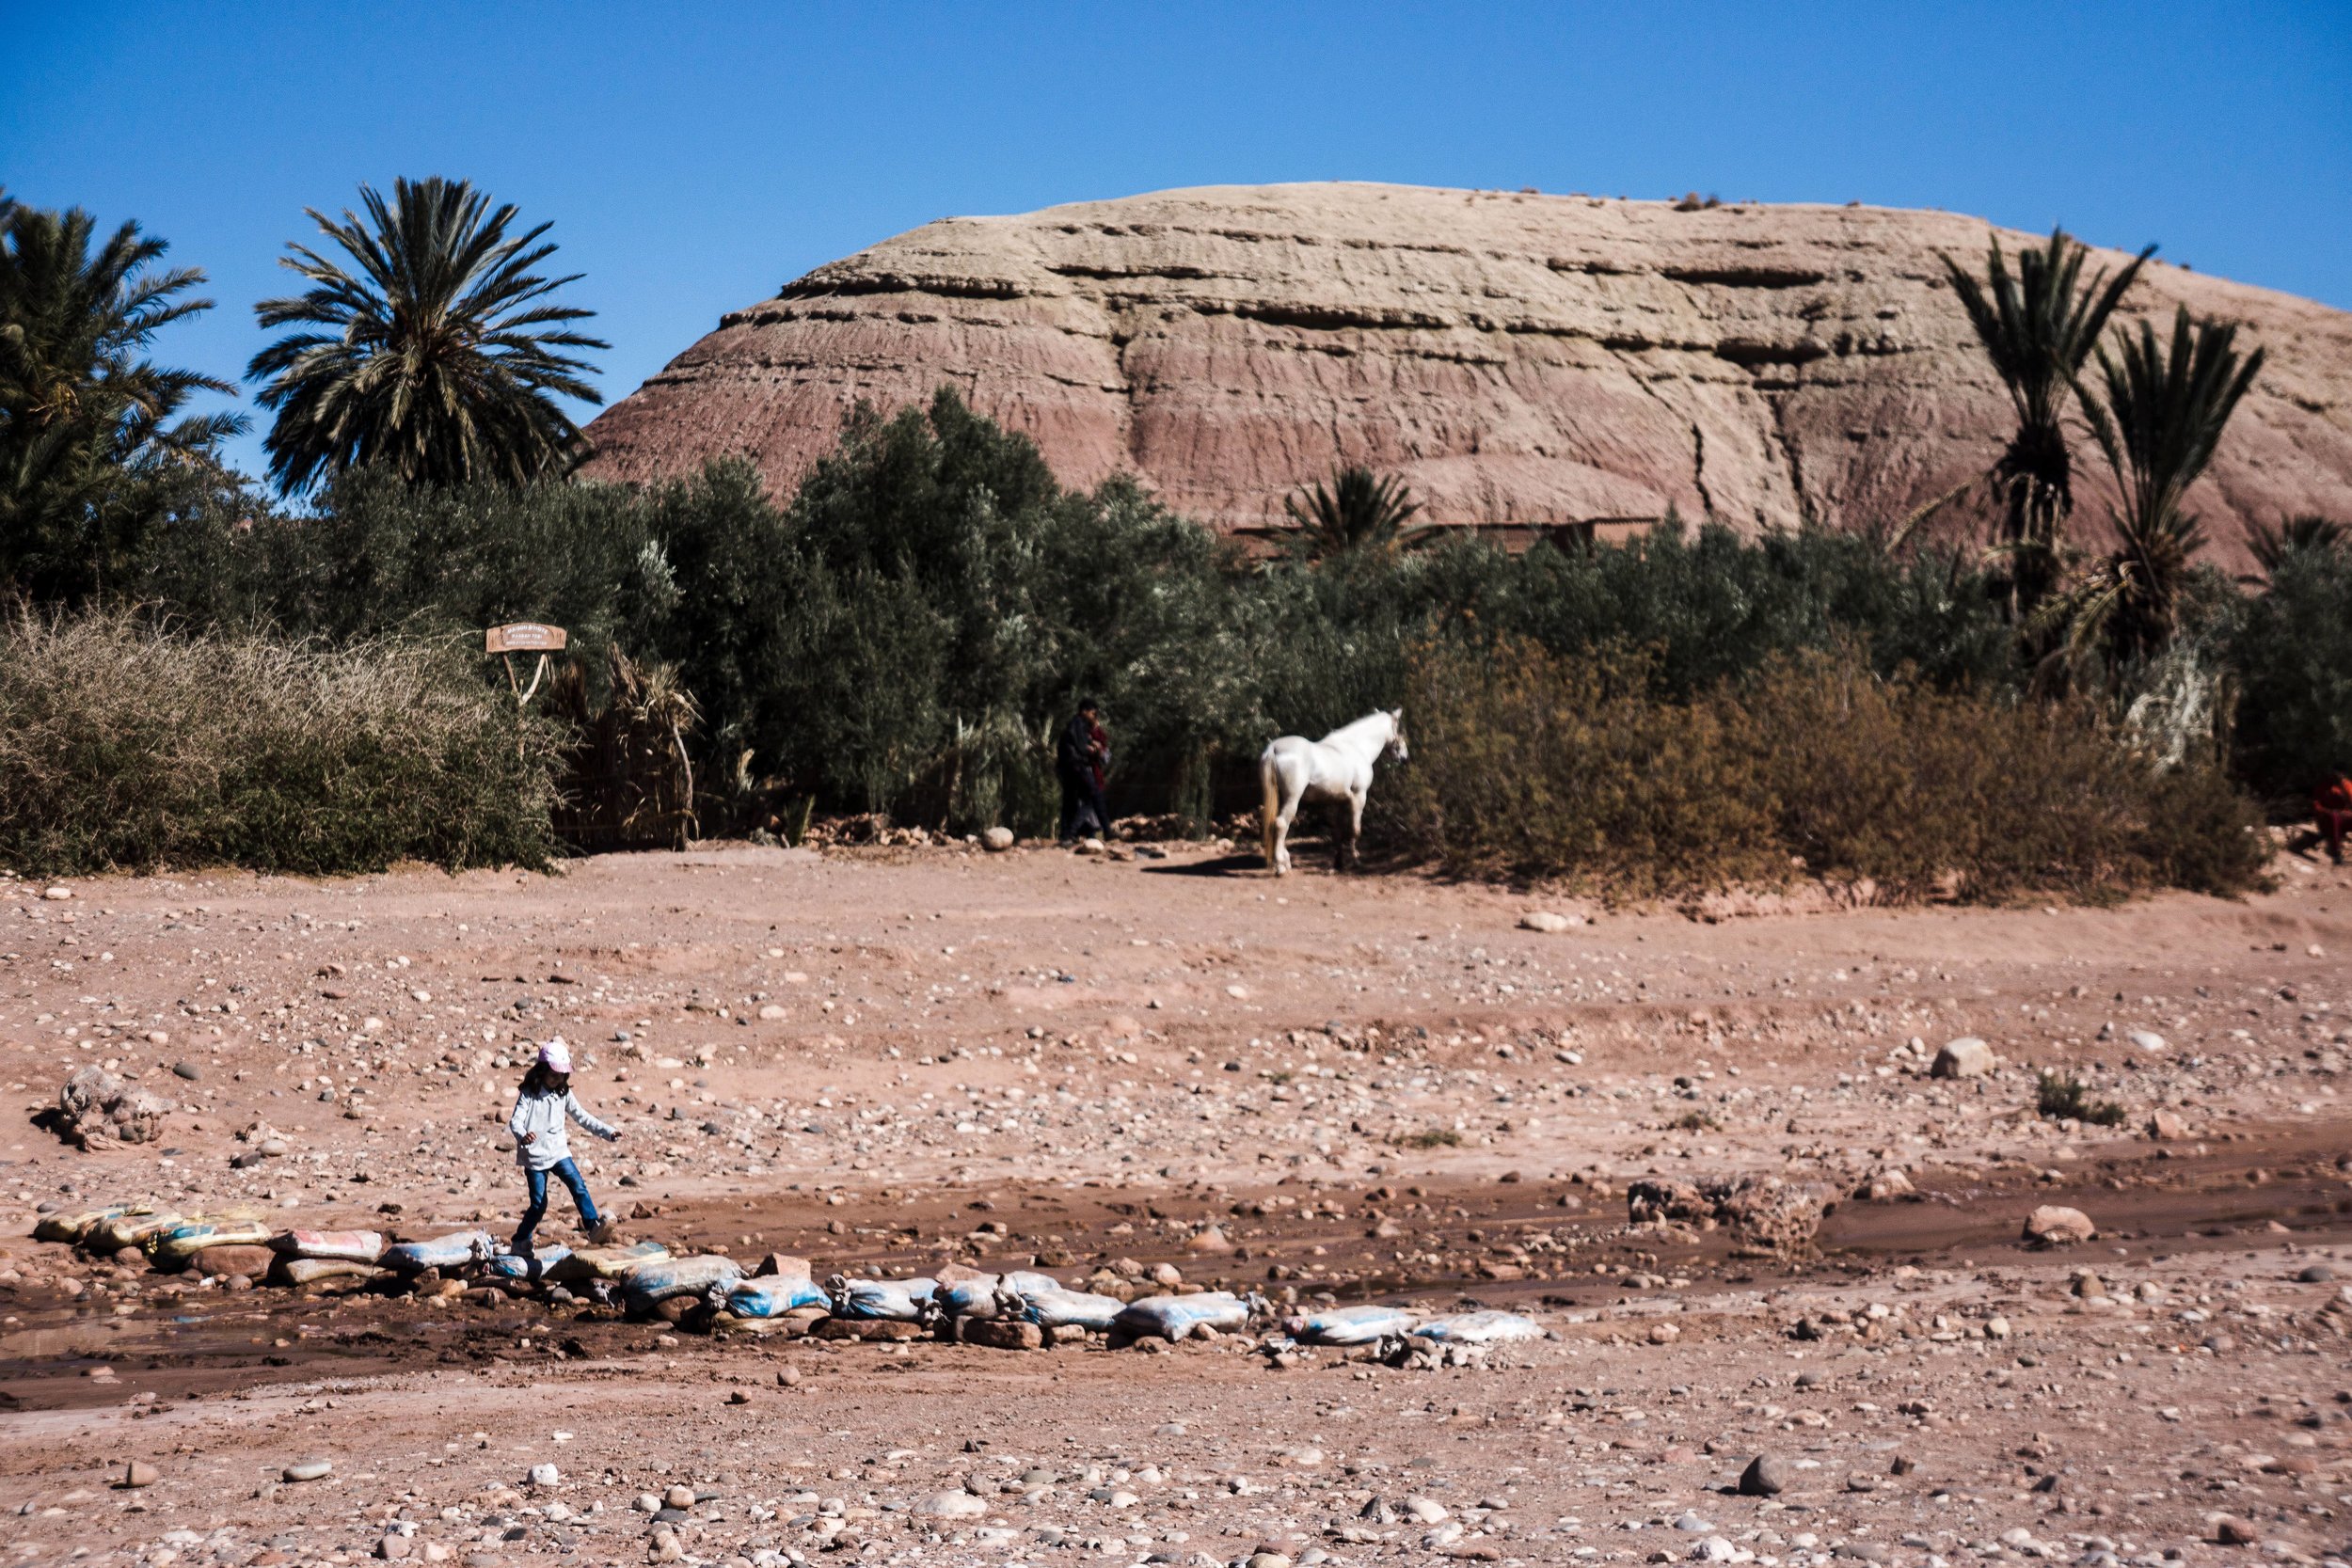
x,y
644,1275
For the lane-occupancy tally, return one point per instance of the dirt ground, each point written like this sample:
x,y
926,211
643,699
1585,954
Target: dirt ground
x,y
1323,1088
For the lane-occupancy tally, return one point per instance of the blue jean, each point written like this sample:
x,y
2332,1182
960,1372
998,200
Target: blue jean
x,y
569,1174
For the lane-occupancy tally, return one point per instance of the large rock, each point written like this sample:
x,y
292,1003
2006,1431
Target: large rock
x,y
2054,1225
1523,360
1965,1058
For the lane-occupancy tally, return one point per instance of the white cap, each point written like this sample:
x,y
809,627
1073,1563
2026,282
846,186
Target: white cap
x,y
556,1057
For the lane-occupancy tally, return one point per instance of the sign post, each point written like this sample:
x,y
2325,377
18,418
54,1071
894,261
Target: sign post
x,y
524,637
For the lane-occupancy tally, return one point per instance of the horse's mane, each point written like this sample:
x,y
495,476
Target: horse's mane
x,y
1378,716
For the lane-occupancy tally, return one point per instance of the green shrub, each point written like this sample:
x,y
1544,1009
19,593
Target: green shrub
x,y
2062,1096
2292,649
124,746
1531,764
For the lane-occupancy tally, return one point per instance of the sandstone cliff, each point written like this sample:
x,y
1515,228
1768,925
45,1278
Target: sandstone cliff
x,y
1521,359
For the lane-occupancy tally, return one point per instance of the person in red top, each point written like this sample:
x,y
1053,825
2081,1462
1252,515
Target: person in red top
x,y
2331,809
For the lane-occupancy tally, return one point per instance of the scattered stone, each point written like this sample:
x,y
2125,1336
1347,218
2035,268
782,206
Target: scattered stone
x,y
956,1504
1210,1240
1763,1478
1543,919
996,840
2054,1225
545,1475
1964,1057
2315,1273
139,1473
309,1470
680,1498
97,1110
2146,1039
188,1070
2231,1530
2166,1127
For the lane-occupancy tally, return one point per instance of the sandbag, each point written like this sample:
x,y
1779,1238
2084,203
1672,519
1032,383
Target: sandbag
x,y
534,1264
1173,1317
356,1246
1067,1308
117,1231
71,1225
177,1248
1479,1328
310,1270
604,1263
1351,1326
903,1301
973,1296
453,1251
650,1283
772,1295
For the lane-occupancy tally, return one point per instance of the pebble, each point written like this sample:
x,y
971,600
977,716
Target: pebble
x,y
1763,1478
1543,919
2231,1530
1426,1510
2146,1039
139,1473
545,1475
2316,1273
309,1470
1690,1523
188,1070
996,840
679,1497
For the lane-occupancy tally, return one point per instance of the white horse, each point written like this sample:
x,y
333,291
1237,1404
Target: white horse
x,y
1337,768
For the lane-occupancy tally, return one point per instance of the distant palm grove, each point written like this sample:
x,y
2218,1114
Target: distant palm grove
x,y
199,666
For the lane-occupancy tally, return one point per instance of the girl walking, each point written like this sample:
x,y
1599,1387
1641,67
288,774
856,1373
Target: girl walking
x,y
543,1145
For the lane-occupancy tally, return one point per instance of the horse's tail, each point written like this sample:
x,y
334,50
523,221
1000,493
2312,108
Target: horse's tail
x,y
1269,802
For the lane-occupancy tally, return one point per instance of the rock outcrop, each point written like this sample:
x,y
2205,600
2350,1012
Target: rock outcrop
x,y
1524,361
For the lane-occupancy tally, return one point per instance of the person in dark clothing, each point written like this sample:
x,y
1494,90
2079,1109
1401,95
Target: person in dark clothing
x,y
1082,760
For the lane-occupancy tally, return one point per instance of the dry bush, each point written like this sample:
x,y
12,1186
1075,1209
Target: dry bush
x,y
124,746
1529,765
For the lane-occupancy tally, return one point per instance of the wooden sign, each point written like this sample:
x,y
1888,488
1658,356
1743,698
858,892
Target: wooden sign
x,y
524,637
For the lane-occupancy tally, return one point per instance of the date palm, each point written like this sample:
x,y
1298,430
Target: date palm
x,y
2038,326
441,354
2158,418
1359,514
91,432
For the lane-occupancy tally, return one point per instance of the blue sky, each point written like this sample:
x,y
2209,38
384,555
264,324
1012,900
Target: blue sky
x,y
696,157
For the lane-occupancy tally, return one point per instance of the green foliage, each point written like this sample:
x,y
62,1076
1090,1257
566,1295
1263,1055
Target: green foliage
x,y
2038,326
95,452
2061,1097
1530,764
124,746
2158,420
436,357
2292,651
1360,512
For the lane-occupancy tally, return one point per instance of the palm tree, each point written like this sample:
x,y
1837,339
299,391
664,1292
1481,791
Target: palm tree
x,y
2038,327
2158,420
442,354
1361,513
90,432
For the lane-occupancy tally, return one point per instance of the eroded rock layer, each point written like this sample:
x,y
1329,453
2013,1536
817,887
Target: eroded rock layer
x,y
1523,359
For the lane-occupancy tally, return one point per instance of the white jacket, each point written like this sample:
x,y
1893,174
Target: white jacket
x,y
543,1114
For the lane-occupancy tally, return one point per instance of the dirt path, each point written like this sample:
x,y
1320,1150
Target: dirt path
x,y
1369,1088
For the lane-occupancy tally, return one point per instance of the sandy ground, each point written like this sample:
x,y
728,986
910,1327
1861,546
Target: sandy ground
x,y
1345,1089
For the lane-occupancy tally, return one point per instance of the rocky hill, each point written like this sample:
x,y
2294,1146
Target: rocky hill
x,y
1523,359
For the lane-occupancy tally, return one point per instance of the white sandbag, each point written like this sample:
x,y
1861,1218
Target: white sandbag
x,y
1480,1328
310,1270
453,1251
534,1264
1066,1308
356,1246
658,1279
1351,1326
604,1263
772,1295
1174,1317
972,1297
903,1301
